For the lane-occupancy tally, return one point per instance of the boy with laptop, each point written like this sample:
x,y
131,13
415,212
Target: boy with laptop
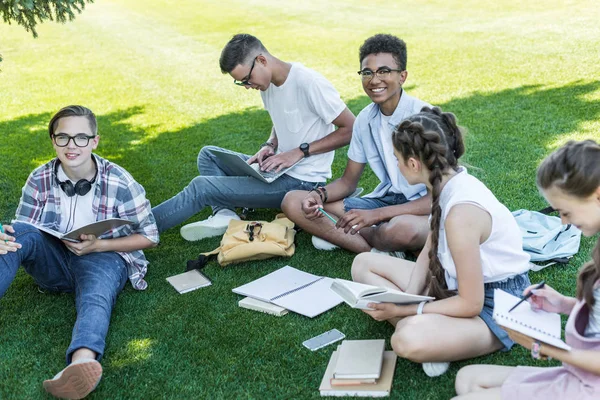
x,y
394,216
304,108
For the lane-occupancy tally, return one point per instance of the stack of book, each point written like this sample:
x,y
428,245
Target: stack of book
x,y
359,368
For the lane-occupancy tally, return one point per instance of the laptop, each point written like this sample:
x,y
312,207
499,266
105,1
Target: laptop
x,y
241,168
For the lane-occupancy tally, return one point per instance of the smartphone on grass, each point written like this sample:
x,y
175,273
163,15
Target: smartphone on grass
x,y
323,339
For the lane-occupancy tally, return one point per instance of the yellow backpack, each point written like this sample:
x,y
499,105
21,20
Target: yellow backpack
x,y
251,240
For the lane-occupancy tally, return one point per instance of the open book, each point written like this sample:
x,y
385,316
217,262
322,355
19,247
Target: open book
x,y
540,325
358,295
295,290
96,228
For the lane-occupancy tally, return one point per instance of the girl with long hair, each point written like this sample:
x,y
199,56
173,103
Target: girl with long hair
x,y
570,180
474,247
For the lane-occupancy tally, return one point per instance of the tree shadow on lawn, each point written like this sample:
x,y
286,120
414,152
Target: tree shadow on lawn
x,y
510,132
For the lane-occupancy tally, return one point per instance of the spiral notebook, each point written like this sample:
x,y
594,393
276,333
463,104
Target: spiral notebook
x,y
541,325
295,290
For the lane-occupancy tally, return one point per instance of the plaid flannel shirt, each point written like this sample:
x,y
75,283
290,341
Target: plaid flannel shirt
x,y
116,195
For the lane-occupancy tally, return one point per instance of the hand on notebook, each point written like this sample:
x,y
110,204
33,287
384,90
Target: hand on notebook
x,y
354,220
548,299
282,160
264,153
88,244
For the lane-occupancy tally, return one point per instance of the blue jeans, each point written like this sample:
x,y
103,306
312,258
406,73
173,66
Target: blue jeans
x,y
96,279
216,187
368,203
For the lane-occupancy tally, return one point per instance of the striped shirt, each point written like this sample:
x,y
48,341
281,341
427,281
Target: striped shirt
x,y
116,195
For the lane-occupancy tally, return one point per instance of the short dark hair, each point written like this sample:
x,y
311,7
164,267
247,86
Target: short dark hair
x,y
73,111
239,50
384,43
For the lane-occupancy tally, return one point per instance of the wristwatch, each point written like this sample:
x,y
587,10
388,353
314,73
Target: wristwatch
x,y
304,148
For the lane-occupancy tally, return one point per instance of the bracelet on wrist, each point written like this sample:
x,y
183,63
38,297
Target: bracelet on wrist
x,y
318,192
420,307
322,190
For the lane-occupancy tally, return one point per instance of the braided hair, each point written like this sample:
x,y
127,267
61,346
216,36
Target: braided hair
x,y
433,137
575,170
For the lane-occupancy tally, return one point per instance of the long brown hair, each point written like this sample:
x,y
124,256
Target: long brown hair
x,y
435,138
575,169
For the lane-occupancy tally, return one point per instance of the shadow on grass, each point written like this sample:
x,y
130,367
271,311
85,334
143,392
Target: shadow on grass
x,y
176,343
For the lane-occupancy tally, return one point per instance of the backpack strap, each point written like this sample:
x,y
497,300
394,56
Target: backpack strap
x,y
202,260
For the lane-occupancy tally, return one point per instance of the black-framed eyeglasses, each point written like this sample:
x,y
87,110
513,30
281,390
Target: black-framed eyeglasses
x,y
246,80
80,140
381,73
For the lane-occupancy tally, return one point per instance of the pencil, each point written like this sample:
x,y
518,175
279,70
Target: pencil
x,y
327,215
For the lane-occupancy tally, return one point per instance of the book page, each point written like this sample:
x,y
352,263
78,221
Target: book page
x,y
540,325
276,283
97,228
311,300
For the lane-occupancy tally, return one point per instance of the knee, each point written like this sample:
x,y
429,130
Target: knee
x,y
205,155
464,380
360,267
407,341
291,204
399,233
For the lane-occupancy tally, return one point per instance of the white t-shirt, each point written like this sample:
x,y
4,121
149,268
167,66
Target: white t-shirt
x,y
75,210
302,110
502,254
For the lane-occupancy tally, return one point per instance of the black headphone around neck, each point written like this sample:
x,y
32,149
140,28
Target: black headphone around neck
x,y
81,188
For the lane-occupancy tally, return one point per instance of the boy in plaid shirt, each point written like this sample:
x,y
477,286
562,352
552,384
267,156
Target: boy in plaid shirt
x,y
75,189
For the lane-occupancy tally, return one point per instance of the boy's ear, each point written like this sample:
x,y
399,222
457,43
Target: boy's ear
x,y
597,193
95,141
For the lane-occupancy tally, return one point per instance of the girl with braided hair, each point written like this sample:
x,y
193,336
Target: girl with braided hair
x,y
570,180
473,247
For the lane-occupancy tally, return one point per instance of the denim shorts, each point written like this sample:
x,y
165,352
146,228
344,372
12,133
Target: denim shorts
x,y
363,203
514,286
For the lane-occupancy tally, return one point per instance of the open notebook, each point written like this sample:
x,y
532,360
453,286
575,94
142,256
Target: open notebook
x,y
540,325
295,290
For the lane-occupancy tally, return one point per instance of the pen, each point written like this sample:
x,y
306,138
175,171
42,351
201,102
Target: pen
x,y
2,231
528,295
327,215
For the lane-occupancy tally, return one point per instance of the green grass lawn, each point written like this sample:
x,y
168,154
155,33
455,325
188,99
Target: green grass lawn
x,y
521,76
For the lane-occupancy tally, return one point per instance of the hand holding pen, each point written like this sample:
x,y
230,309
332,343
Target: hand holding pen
x,y
528,295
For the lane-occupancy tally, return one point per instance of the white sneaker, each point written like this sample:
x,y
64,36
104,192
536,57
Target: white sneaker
x,y
75,381
213,226
434,369
322,244
396,254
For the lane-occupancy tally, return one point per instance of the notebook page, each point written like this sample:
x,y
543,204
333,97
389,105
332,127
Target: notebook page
x,y
311,300
276,283
540,325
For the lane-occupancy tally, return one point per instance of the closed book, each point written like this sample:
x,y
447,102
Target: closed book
x,y
381,388
359,359
352,382
188,281
262,306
